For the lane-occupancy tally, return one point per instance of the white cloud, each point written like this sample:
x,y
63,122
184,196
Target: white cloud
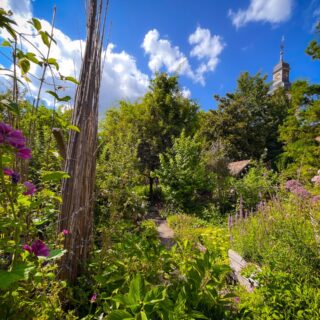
x,y
273,11
206,47
163,54
121,78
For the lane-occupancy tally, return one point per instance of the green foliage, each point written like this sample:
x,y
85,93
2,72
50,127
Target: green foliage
x,y
259,184
137,278
183,174
298,132
283,238
247,120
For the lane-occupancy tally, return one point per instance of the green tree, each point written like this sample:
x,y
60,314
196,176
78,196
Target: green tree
x,y
183,174
149,126
167,113
247,120
302,125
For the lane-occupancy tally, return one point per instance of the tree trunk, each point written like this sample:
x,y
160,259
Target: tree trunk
x,y
78,191
151,189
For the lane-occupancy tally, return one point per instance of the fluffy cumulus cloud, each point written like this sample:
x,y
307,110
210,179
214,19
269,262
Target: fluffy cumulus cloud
x,y
121,78
207,49
273,11
162,54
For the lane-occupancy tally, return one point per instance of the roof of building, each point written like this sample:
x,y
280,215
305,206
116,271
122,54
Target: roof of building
x,y
237,167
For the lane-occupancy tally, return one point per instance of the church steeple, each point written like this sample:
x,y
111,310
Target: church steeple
x,y
281,71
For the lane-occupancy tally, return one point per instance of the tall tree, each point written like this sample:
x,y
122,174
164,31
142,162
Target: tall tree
x,y
151,124
298,133
247,120
78,191
168,113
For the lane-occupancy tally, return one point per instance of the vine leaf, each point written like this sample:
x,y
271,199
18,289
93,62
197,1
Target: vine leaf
x,y
36,23
65,98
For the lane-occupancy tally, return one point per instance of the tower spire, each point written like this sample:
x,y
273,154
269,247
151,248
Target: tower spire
x,y
281,49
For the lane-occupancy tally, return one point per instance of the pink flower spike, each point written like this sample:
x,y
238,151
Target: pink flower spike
x,y
24,153
93,298
39,248
66,232
31,188
8,172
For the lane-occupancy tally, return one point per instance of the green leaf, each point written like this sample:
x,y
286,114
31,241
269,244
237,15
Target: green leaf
x,y
66,98
19,272
54,175
120,315
54,62
56,254
72,127
45,38
71,79
24,64
12,106
136,288
32,57
36,23
6,43
143,315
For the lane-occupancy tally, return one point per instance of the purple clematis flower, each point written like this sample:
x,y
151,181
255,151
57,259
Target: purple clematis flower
x,y
31,188
15,177
4,131
38,248
16,139
24,153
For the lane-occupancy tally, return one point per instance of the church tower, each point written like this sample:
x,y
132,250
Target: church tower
x,y
281,72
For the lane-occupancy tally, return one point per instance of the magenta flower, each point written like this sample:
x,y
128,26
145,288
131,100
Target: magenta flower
x,y
31,188
24,153
93,298
65,232
8,172
27,247
16,139
38,248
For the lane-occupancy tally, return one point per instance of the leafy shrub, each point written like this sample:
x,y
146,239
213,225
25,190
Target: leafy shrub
x,y
183,175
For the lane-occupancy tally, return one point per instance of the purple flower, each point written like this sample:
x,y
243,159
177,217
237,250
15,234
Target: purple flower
x,y
8,172
65,232
4,131
292,184
31,188
39,248
27,247
295,187
15,177
24,153
93,298
16,139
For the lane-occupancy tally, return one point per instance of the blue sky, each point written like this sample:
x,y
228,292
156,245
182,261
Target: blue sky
x,y
209,42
